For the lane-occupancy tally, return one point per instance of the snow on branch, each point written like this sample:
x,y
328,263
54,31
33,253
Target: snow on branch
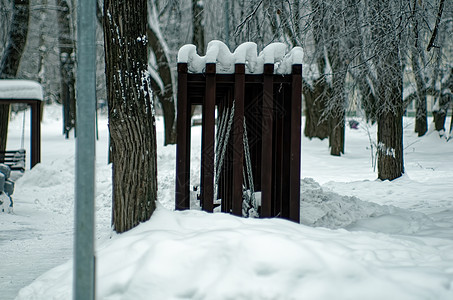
x,y
246,53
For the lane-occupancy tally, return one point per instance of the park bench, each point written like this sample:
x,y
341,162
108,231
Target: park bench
x,y
30,93
15,159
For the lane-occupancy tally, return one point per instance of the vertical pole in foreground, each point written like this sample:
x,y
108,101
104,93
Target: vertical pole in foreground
x,y
85,152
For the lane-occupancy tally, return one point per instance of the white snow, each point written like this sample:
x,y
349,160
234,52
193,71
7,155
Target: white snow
x,y
294,57
20,89
246,53
360,238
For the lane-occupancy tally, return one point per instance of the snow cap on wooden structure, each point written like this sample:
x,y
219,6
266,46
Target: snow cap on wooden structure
x,y
246,53
20,89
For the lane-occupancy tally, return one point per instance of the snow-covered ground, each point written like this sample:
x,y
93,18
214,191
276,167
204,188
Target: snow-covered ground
x,y
359,239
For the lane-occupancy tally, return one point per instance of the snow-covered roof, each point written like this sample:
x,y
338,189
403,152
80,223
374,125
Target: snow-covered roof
x,y
20,89
246,53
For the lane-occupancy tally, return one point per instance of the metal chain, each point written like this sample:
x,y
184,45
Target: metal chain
x,y
248,164
224,146
220,139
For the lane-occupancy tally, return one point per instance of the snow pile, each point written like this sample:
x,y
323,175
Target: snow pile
x,y
394,242
324,208
20,89
246,53
196,255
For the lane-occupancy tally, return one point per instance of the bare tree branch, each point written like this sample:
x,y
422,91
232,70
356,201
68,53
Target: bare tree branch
x,y
439,15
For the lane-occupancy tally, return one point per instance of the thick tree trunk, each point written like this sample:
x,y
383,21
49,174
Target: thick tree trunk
x,y
390,120
315,105
337,135
131,120
10,61
389,84
67,57
440,115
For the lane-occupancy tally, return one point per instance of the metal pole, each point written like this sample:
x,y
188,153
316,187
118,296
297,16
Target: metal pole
x,y
84,265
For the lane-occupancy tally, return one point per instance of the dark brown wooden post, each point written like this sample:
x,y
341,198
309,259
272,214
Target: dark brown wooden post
x,y
286,151
266,149
207,140
35,133
238,144
182,194
279,206
296,99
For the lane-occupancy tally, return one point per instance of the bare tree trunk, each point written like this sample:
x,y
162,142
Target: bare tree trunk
x,y
165,96
389,84
11,57
421,116
197,26
337,134
131,120
440,114
315,105
67,57
390,118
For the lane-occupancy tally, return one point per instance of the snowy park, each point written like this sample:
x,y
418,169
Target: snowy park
x,y
359,238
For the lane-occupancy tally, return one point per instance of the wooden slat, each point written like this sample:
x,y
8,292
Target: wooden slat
x,y
35,133
286,161
182,193
207,141
296,100
238,145
266,149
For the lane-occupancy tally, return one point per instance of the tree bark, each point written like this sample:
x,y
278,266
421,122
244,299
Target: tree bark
x,y
421,116
440,115
10,61
67,57
315,105
197,26
390,118
165,96
389,84
337,135
131,120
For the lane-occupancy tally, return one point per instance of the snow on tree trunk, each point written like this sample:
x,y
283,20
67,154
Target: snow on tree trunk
x,y
390,119
131,119
10,61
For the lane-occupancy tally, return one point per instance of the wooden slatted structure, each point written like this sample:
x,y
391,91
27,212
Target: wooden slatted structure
x,y
30,93
271,106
